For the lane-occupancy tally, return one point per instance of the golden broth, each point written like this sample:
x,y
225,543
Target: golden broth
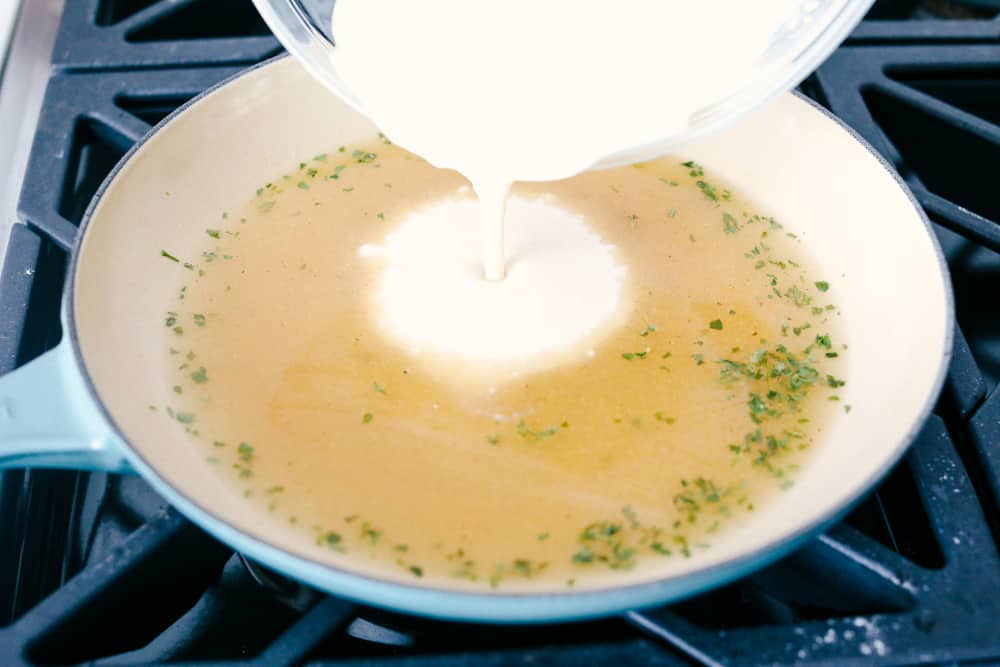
x,y
698,408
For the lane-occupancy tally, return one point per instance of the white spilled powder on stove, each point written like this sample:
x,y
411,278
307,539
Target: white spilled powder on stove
x,y
563,285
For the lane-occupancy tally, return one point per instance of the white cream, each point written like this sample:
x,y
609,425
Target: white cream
x,y
563,286
531,90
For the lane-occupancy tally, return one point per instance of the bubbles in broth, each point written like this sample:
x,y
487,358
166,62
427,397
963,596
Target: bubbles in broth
x,y
694,401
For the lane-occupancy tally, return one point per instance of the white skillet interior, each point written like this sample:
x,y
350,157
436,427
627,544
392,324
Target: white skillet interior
x,y
807,171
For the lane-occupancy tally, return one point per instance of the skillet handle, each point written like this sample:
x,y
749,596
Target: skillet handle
x,y
48,420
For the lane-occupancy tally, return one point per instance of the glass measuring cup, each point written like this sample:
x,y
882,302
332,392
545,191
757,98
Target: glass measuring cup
x,y
812,30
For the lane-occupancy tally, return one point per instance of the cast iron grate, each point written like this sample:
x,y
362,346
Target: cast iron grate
x,y
94,568
123,34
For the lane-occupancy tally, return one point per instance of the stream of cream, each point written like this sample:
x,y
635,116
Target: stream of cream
x,y
537,90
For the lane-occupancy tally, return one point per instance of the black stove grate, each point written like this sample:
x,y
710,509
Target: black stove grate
x,y
96,569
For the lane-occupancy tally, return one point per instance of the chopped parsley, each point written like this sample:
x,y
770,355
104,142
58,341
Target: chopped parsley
x,y
164,253
822,285
715,324
662,417
245,452
798,297
833,382
696,170
529,434
367,418
214,233
729,224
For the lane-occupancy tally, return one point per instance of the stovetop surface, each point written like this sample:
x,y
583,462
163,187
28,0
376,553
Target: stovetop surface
x,y
96,569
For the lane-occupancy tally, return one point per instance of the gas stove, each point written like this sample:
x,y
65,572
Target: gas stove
x,y
97,569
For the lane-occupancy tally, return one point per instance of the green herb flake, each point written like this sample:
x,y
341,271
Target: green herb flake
x,y
529,434
302,185
715,324
662,417
367,418
834,382
379,389
370,533
648,330
184,417
493,438
164,253
245,452
696,169
729,224
199,319
699,359
822,285
416,571
380,215
200,376
214,233
798,297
